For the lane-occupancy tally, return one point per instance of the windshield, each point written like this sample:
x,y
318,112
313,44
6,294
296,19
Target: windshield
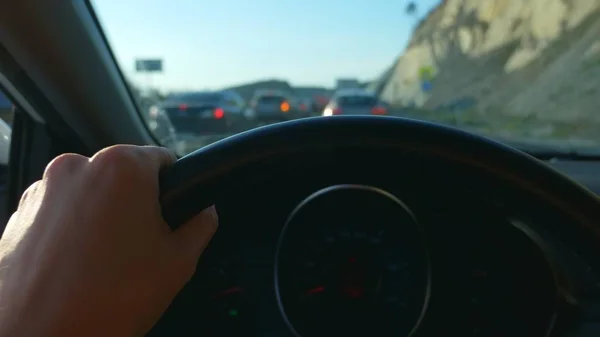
x,y
522,71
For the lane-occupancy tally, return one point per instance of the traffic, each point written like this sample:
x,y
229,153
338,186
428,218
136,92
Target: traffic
x,y
185,121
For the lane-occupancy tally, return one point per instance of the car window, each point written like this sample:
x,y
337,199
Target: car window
x,y
501,69
195,98
357,101
232,100
271,99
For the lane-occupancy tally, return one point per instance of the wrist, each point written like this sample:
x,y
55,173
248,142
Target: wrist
x,y
18,317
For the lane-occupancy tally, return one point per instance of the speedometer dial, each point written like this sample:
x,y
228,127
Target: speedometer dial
x,y
351,261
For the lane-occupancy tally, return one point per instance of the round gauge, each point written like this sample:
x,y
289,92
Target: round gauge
x,y
351,261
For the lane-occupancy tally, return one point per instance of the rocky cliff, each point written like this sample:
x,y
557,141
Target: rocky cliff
x,y
529,59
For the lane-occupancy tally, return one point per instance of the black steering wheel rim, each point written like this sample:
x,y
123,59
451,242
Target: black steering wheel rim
x,y
195,181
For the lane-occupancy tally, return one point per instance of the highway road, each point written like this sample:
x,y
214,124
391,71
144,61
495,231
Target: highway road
x,y
193,142
492,128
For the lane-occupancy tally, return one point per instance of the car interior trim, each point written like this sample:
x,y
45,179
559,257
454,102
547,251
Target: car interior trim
x,y
19,99
86,80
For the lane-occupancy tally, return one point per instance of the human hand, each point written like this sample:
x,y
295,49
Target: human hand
x,y
87,253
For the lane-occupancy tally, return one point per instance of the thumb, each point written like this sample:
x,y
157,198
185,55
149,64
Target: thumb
x,y
192,237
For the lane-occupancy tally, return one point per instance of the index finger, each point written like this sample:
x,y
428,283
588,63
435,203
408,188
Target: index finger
x,y
149,159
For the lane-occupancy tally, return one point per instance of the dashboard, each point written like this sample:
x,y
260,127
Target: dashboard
x,y
328,252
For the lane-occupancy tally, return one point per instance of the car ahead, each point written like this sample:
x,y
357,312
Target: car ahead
x,y
354,102
204,113
271,106
303,107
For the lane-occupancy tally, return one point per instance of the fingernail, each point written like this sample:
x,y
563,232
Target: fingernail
x,y
213,213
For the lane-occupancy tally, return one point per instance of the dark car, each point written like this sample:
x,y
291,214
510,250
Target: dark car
x,y
354,102
205,113
271,107
318,103
303,107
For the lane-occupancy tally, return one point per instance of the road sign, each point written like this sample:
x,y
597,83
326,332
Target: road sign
x,y
426,86
148,65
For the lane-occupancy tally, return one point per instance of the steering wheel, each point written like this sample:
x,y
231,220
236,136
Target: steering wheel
x,y
205,176
195,181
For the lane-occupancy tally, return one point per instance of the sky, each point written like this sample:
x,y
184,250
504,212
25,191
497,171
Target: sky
x,y
211,44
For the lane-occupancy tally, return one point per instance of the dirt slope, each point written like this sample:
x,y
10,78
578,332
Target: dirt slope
x,y
531,59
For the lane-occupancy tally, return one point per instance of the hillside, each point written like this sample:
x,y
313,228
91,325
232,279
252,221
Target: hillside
x,y
517,60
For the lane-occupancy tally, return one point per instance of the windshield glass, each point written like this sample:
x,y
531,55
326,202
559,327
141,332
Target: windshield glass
x,y
522,71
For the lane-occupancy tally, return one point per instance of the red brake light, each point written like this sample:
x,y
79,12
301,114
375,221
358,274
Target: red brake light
x,y
378,110
337,111
183,107
218,113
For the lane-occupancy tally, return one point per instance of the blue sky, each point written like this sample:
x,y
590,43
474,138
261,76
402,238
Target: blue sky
x,y
209,44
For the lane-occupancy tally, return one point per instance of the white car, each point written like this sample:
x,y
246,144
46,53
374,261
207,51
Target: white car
x,y
354,102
